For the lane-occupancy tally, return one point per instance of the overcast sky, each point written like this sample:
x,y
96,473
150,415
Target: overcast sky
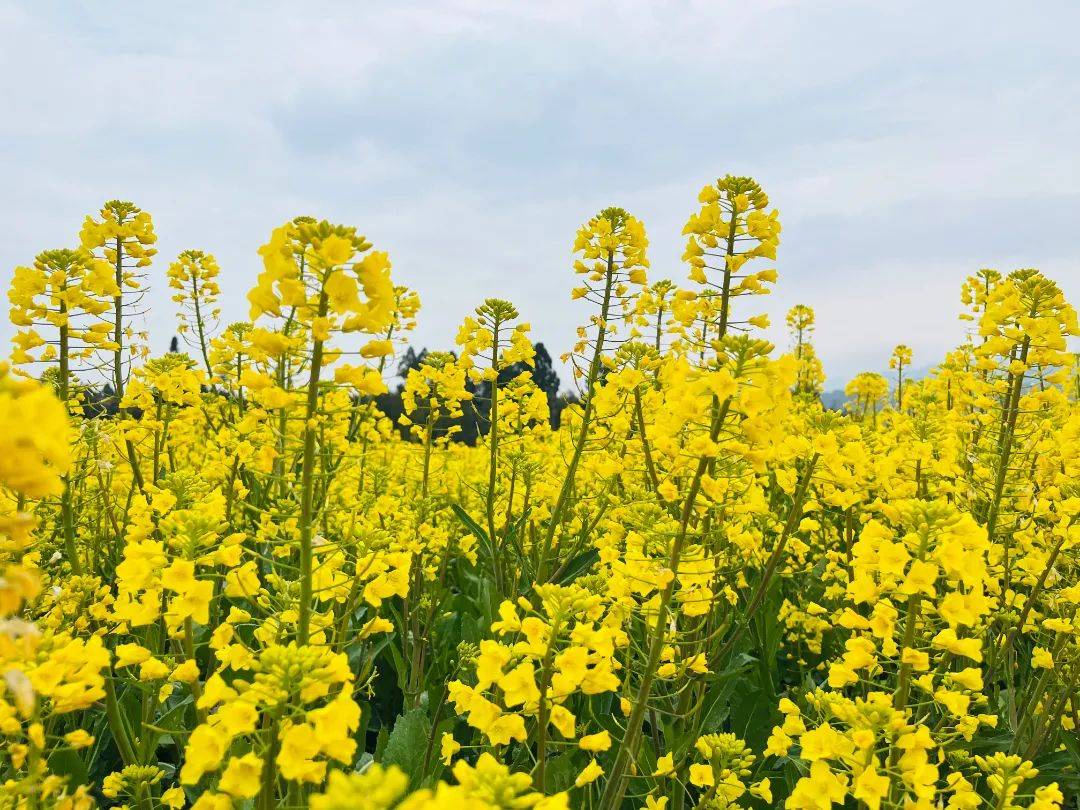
x,y
906,144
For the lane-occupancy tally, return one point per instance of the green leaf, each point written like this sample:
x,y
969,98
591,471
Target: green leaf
x,y
526,574
406,744
476,530
66,762
581,563
381,740
716,705
559,773
470,524
752,714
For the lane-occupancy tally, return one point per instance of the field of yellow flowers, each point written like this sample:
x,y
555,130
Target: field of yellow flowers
x,y
242,586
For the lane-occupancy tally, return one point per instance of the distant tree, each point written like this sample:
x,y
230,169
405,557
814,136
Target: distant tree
x,y
473,422
174,345
473,419
410,360
100,403
391,407
544,374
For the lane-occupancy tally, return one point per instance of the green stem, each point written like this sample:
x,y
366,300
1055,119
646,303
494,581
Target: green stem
x,y
67,516
117,724
493,447
543,710
118,324
303,629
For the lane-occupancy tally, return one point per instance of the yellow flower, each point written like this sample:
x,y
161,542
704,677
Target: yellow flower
x,y
242,581
205,748
173,798
572,664
966,647
34,444
377,348
590,773
600,741
519,685
778,743
299,745
820,790
970,678
665,765
78,739
871,786
213,801
186,672
448,747
236,717
563,720
825,742
920,579
153,669
701,775
242,777
335,250
763,790
376,787
130,654
1041,658
917,659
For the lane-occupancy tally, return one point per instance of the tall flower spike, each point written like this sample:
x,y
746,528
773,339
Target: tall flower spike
x,y
809,373
731,229
611,249
124,238
900,359
491,337
66,291
317,271
868,390
325,279
194,277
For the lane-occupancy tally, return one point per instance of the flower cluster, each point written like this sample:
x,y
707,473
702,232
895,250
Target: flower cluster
x,y
295,563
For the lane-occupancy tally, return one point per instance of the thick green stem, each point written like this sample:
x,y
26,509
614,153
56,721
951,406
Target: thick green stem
x,y
118,324
1004,457
493,450
67,517
265,799
725,301
650,468
903,686
307,483
199,321
543,710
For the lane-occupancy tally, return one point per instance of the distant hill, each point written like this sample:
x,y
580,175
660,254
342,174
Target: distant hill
x,y
833,400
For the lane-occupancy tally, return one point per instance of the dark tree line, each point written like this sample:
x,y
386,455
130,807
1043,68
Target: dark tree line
x,y
473,422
